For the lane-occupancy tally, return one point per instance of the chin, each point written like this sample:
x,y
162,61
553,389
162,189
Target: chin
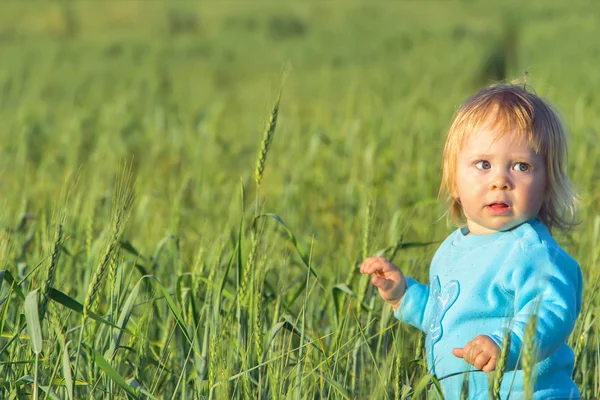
x,y
508,226
497,227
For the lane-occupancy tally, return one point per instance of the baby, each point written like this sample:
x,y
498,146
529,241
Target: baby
x,y
504,175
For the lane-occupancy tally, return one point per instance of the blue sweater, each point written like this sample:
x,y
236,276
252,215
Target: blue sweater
x,y
481,284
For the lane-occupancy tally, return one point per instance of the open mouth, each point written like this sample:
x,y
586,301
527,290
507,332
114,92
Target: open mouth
x,y
498,208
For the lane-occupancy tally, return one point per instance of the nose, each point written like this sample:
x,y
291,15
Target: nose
x,y
501,181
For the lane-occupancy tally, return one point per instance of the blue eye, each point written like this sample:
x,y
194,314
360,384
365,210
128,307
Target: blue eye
x,y
523,167
483,165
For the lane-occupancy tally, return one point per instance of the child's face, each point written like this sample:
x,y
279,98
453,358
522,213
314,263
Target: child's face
x,y
500,181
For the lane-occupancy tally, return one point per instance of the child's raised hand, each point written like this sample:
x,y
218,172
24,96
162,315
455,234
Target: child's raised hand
x,y
387,277
481,352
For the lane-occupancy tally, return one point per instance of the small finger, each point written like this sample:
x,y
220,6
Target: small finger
x,y
382,283
458,352
372,265
481,360
490,366
467,351
471,354
367,266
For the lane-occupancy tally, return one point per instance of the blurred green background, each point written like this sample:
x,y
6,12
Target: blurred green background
x,y
185,87
182,91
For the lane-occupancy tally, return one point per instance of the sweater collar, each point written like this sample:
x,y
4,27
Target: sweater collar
x,y
463,239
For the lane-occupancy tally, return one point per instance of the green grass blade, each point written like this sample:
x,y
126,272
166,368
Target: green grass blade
x,y
112,373
124,316
33,321
10,280
291,327
343,288
422,385
173,308
66,364
76,306
127,246
32,361
5,304
47,389
334,384
240,247
293,239
224,279
272,333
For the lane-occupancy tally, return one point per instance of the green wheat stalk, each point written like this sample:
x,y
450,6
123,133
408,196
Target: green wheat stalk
x,y
244,323
464,388
398,364
212,357
419,348
273,370
258,328
51,274
48,283
112,288
89,235
122,204
258,325
268,135
362,292
581,344
248,274
529,357
501,364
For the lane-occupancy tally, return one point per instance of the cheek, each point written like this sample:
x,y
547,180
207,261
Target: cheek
x,y
459,189
468,182
536,193
460,185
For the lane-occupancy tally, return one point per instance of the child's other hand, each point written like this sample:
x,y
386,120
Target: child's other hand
x,y
481,352
387,277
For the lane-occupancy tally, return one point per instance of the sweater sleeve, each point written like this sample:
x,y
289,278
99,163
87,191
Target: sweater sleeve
x,y
414,303
545,282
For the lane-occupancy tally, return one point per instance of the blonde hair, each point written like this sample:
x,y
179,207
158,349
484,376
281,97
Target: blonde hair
x,y
510,108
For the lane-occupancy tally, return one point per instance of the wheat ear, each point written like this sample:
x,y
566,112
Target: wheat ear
x,y
501,365
268,135
122,204
529,357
